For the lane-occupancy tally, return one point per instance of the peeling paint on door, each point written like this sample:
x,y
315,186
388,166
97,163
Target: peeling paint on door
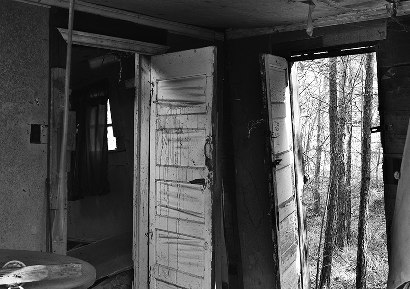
x,y
181,183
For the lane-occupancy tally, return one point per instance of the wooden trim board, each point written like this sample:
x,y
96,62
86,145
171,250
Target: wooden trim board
x,y
344,18
141,170
171,26
58,245
113,43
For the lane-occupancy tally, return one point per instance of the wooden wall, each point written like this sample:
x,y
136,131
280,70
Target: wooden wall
x,y
24,78
393,59
250,164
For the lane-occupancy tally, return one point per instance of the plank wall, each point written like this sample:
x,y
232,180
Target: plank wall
x,y
249,179
393,60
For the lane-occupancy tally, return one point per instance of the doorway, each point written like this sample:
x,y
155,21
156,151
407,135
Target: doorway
x,y
163,118
100,173
100,176
345,77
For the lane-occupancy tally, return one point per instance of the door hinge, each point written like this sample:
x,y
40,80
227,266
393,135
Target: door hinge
x,y
149,234
151,93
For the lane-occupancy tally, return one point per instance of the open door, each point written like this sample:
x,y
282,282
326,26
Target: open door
x,y
287,173
181,169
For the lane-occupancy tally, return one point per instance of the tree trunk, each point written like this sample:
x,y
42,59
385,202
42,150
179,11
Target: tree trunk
x,y
307,150
341,203
329,232
349,124
378,163
365,182
316,193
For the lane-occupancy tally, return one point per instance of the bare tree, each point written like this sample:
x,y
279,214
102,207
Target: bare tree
x,y
349,129
341,124
316,192
328,246
354,82
365,179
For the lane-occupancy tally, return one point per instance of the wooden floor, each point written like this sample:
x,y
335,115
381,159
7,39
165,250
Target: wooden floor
x,y
109,257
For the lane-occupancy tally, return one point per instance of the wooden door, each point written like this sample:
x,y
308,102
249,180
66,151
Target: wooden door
x,y
286,173
181,169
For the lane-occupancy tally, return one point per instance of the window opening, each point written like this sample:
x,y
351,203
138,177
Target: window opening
x,y
321,54
111,139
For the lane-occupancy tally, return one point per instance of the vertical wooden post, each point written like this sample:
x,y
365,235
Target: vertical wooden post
x,y
59,224
141,170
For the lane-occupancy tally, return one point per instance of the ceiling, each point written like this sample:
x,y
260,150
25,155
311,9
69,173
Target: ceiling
x,y
241,13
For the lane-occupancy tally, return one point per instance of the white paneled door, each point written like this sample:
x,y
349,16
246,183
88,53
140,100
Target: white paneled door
x,y
287,175
181,169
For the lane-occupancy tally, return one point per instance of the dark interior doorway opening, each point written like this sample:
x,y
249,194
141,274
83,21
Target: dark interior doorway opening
x,y
100,173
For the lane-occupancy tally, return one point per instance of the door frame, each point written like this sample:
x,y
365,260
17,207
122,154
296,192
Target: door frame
x,y
299,174
272,61
142,114
142,52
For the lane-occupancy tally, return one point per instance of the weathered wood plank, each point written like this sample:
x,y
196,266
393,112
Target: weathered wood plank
x,y
399,265
113,43
285,169
363,33
395,122
141,170
299,180
393,143
71,136
173,27
59,245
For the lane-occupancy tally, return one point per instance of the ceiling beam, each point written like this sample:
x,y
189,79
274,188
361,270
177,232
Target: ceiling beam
x,y
172,27
343,18
113,43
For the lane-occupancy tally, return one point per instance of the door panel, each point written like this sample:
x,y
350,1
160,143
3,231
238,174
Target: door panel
x,y
181,175
284,175
301,212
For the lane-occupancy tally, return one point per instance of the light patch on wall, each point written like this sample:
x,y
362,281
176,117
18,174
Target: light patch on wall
x,y
112,140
